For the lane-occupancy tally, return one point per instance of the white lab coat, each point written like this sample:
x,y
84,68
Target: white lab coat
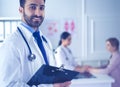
x,y
63,56
16,69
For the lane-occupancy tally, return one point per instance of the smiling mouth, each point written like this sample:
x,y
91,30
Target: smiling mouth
x,y
36,19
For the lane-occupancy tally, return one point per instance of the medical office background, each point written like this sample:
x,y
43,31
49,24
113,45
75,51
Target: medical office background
x,y
90,22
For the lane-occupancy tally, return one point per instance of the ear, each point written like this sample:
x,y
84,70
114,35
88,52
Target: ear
x,y
21,10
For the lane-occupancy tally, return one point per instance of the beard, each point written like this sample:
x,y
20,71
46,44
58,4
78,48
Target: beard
x,y
31,23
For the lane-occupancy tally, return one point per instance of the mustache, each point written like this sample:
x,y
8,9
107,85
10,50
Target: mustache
x,y
35,16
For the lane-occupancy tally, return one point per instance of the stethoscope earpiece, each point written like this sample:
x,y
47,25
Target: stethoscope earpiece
x,y
31,57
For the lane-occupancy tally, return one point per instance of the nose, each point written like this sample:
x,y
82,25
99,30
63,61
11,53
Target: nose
x,y
39,12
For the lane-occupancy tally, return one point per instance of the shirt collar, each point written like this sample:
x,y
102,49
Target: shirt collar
x,y
28,27
25,28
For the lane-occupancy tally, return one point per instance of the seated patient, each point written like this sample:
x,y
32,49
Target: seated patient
x,y
113,67
63,54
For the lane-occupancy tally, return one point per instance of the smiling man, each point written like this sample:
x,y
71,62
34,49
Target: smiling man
x,y
32,12
27,49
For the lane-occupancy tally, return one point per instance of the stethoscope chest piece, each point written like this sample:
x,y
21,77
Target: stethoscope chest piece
x,y
31,57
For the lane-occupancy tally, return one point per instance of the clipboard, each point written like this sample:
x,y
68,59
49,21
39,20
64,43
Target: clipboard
x,y
50,74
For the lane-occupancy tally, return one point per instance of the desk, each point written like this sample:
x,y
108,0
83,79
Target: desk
x,y
99,81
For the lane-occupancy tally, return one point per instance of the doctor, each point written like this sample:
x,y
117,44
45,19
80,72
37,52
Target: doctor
x,y
63,54
21,54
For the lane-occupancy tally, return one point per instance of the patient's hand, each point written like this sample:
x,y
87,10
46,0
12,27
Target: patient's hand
x,y
93,70
82,69
65,84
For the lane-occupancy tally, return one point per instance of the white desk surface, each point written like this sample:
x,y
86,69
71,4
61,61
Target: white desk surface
x,y
100,80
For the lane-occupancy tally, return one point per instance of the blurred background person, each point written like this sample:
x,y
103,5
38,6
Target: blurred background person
x,y
63,55
113,67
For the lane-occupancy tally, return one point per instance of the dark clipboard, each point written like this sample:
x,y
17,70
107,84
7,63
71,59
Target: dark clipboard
x,y
50,75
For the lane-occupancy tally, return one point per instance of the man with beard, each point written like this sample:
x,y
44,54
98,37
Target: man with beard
x,y
27,49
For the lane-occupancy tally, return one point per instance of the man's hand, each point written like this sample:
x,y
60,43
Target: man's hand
x,y
65,84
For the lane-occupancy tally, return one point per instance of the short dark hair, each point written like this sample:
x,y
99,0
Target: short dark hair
x,y
114,42
22,2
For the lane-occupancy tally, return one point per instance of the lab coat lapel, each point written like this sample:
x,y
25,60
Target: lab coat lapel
x,y
49,52
46,46
33,45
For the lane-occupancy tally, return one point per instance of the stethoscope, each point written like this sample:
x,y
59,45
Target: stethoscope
x,y
65,54
31,56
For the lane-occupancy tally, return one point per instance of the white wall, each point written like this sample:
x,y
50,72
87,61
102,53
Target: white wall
x,y
103,7
9,8
103,21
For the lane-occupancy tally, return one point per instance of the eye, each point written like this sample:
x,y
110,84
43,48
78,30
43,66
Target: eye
x,y
42,7
33,7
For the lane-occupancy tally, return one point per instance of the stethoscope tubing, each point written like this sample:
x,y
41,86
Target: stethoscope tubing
x,y
31,56
25,40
